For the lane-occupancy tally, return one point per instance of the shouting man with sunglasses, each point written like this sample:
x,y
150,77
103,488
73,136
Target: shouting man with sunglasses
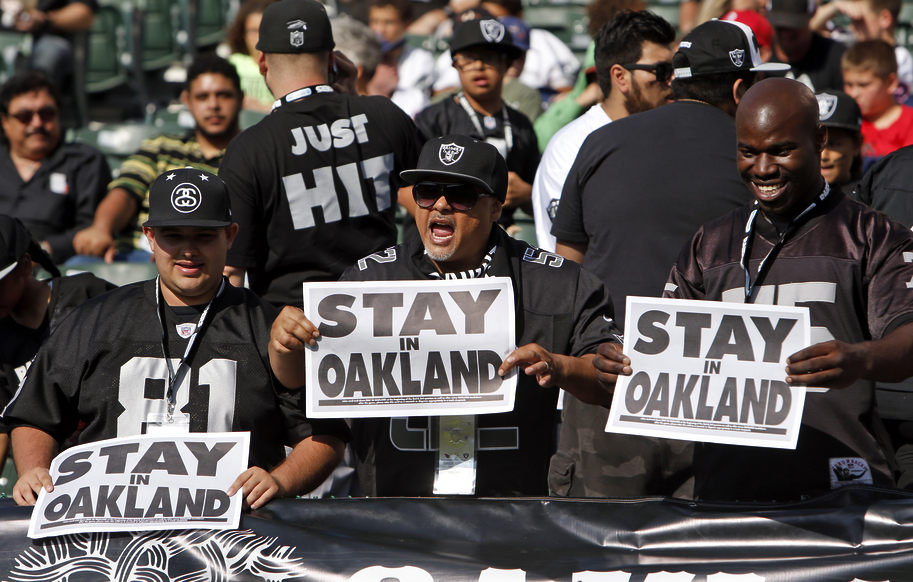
x,y
562,312
639,189
52,187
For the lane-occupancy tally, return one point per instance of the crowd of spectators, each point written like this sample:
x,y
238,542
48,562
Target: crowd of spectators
x,y
662,150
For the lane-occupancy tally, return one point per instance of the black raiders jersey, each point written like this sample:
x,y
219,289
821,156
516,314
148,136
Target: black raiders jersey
x,y
104,366
314,187
853,268
565,309
19,344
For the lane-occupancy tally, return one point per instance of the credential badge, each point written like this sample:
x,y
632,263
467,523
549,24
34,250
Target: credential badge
x,y
827,105
185,198
737,57
492,30
450,153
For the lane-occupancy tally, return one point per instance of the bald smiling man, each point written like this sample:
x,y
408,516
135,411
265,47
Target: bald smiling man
x,y
820,249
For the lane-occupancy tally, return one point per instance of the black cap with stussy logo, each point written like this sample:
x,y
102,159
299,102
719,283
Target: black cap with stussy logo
x,y
461,158
189,197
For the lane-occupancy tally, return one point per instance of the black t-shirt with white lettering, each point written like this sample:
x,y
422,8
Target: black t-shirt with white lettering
x,y
314,187
852,267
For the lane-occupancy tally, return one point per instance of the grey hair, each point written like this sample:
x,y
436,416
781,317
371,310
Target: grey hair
x,y
358,42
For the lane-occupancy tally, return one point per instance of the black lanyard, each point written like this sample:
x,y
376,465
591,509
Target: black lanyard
x,y
768,259
175,378
301,94
474,117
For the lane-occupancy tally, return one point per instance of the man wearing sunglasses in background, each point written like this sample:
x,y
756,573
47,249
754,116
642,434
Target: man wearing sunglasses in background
x,y
52,187
639,189
561,312
483,51
634,69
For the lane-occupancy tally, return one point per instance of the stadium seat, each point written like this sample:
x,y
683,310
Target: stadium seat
x,y
205,22
100,57
117,141
118,273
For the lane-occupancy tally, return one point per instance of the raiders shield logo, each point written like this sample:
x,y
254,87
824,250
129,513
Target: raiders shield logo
x,y
827,105
737,57
296,37
492,30
450,153
185,198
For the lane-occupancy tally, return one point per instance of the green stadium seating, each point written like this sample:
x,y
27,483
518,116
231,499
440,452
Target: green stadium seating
x,y
118,273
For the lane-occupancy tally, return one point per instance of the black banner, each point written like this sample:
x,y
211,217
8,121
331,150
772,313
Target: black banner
x,y
852,534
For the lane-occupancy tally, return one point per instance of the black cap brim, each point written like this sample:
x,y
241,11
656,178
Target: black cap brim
x,y
191,223
416,176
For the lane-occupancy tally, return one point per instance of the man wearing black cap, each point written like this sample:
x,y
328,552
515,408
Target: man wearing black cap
x,y
561,312
482,52
814,59
639,188
314,185
186,351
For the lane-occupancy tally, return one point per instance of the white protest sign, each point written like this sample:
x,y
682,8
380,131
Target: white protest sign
x,y
711,372
142,483
409,348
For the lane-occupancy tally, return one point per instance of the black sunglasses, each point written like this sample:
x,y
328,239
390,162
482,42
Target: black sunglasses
x,y
458,196
663,70
25,116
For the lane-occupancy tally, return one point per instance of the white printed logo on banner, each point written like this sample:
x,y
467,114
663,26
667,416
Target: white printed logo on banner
x,y
711,371
410,348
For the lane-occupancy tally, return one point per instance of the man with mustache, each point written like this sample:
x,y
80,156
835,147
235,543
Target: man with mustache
x,y
212,94
52,187
459,189
639,188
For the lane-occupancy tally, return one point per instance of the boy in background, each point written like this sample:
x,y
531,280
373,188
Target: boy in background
x,y
871,20
870,77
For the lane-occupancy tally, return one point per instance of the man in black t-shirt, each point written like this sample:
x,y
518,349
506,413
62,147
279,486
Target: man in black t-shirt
x,y
482,51
814,60
117,378
851,266
561,309
314,185
639,188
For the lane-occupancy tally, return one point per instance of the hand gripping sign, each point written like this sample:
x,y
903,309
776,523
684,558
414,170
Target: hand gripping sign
x,y
711,372
143,483
410,348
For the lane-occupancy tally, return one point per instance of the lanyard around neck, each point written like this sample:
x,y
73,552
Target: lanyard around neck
x,y
474,117
300,94
176,377
768,259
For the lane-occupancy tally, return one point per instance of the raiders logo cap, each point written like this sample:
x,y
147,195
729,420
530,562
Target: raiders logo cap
x,y
295,26
484,32
189,197
790,13
459,157
837,109
718,47
14,243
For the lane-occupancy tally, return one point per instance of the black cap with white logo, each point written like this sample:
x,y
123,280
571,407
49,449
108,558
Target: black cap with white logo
x,y
461,158
837,109
718,47
484,33
189,197
295,26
